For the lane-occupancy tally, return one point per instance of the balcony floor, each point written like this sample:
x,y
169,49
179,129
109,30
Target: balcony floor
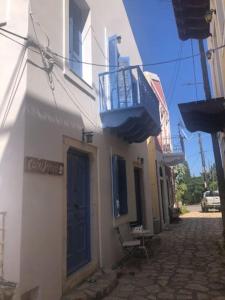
x,y
133,124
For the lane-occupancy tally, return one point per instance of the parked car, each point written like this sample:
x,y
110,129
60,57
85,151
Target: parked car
x,y
211,199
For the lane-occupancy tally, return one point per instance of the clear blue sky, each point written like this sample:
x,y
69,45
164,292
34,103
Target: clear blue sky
x,y
154,27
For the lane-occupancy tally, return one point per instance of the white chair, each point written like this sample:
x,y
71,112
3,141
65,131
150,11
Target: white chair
x,y
131,245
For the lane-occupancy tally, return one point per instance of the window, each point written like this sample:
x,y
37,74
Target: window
x,y
212,194
119,182
80,39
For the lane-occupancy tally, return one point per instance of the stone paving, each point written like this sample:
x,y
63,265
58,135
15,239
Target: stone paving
x,y
187,264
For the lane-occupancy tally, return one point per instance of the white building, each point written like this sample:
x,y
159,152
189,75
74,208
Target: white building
x,y
217,58
58,190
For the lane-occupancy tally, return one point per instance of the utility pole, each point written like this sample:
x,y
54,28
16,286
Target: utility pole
x,y
215,142
181,138
203,160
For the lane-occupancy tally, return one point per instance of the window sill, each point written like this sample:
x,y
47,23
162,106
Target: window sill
x,y
79,82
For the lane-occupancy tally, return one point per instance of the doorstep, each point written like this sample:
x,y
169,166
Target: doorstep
x,y
99,285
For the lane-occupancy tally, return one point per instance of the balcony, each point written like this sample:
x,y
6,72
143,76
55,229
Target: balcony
x,y
128,105
173,151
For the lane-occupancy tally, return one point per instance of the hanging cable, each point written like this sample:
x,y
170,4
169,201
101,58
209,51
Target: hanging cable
x,y
2,34
175,81
71,97
174,75
15,87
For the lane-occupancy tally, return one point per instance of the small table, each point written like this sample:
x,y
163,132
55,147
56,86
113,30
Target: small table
x,y
143,234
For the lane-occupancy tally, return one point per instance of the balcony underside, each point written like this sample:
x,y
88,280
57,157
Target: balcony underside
x,y
207,116
174,158
133,124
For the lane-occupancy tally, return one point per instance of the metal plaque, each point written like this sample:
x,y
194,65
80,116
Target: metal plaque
x,y
43,166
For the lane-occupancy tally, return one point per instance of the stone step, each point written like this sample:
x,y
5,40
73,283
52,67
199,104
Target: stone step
x,y
99,285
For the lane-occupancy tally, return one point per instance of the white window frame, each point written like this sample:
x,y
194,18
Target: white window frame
x,y
84,83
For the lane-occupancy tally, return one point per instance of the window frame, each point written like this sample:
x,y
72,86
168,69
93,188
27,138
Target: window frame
x,y
81,83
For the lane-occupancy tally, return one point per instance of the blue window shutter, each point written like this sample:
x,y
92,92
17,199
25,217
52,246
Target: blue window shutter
x,y
113,53
125,82
115,191
113,77
122,186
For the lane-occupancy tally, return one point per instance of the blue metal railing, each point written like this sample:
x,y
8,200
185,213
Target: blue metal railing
x,y
125,88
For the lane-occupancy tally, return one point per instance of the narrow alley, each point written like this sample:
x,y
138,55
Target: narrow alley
x,y
186,265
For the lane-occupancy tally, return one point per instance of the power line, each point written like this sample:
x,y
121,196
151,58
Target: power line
x,y
140,65
15,87
15,34
173,84
173,75
68,92
176,77
23,45
2,34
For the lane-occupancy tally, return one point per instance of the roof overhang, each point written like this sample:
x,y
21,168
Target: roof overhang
x,y
207,116
190,18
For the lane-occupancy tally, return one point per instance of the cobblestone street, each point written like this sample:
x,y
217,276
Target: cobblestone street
x,y
187,264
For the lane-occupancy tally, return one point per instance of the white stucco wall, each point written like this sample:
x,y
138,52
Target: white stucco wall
x,y
48,116
12,122
217,61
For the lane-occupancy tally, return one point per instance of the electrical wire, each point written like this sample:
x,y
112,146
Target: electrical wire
x,y
2,34
138,65
176,77
15,87
71,97
174,74
23,45
172,77
15,34
195,78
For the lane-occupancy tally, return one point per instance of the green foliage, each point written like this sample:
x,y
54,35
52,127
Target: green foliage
x,y
189,189
213,186
184,210
195,189
180,171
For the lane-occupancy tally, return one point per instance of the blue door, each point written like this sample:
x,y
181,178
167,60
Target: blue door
x,y
78,210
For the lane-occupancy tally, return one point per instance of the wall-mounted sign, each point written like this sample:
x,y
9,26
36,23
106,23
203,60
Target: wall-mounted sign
x,y
43,166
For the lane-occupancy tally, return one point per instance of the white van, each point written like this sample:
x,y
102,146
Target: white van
x,y
211,199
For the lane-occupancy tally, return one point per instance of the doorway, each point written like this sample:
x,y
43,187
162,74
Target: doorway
x,y
78,210
139,194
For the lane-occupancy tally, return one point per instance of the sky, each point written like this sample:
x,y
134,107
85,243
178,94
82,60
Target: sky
x,y
155,31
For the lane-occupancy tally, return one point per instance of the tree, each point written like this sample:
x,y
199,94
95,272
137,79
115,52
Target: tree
x,y
212,178
180,172
195,189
